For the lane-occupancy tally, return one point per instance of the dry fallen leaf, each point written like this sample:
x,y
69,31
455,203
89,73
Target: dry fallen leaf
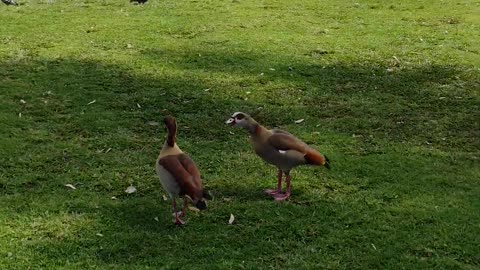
x,y
70,186
299,121
231,220
138,105
23,101
108,150
164,197
130,189
193,209
19,115
91,102
156,219
99,234
152,123
114,198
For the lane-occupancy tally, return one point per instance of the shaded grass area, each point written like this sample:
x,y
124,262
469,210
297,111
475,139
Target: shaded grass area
x,y
398,117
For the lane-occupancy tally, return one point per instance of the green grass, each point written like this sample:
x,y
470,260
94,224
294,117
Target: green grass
x,y
389,91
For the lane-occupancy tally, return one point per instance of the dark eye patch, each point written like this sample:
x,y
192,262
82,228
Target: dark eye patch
x,y
240,116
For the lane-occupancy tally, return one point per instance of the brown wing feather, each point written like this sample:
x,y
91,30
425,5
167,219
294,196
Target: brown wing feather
x,y
191,168
285,141
183,169
282,140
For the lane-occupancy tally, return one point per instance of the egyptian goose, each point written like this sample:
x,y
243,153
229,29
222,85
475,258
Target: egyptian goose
x,y
9,2
178,174
278,148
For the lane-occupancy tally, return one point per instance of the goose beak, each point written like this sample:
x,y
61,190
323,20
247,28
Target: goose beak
x,y
230,121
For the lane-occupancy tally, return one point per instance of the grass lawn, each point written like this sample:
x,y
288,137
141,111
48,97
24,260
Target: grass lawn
x,y
389,90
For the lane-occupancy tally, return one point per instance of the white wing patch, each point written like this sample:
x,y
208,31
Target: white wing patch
x,y
282,152
168,181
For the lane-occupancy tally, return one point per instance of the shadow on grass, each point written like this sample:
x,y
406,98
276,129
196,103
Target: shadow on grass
x,y
94,105
402,102
428,103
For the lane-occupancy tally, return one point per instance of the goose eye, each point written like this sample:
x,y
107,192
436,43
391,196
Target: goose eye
x,y
240,116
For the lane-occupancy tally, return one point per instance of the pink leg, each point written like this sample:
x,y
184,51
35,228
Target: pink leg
x,y
282,197
184,209
273,192
177,219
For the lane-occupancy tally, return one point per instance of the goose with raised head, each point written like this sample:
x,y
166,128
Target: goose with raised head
x,y
179,174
